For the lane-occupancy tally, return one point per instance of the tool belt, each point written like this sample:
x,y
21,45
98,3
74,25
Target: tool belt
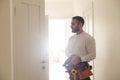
x,y
79,71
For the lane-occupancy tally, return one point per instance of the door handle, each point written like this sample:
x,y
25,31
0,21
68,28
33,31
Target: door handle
x,y
44,61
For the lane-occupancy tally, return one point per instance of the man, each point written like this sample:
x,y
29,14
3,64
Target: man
x,y
81,46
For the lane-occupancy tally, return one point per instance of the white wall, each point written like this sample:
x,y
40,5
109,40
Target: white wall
x,y
59,9
80,5
65,8
107,35
5,55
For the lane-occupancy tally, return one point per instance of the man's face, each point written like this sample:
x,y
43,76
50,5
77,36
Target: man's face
x,y
74,26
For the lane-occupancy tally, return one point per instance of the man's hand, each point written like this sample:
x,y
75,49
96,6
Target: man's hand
x,y
75,60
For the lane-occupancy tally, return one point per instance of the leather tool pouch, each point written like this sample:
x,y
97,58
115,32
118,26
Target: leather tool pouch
x,y
85,73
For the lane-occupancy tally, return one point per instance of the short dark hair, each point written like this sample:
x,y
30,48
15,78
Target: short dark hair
x,y
79,19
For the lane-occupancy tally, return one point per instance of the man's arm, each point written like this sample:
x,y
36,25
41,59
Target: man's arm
x,y
91,50
75,60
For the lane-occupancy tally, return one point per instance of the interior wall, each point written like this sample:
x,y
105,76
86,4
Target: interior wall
x,y
5,60
59,9
80,5
64,9
107,35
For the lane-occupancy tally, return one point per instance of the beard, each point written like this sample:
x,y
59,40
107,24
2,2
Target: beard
x,y
74,30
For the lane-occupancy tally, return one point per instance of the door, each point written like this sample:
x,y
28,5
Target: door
x,y
30,41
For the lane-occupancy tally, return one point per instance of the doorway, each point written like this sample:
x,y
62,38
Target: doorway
x,y
60,13
57,45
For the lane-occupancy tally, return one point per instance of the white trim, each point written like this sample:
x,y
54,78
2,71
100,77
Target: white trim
x,y
11,39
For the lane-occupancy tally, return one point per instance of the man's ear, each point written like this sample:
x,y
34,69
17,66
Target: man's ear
x,y
80,24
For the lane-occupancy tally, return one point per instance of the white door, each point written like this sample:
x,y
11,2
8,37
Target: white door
x,y
30,41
